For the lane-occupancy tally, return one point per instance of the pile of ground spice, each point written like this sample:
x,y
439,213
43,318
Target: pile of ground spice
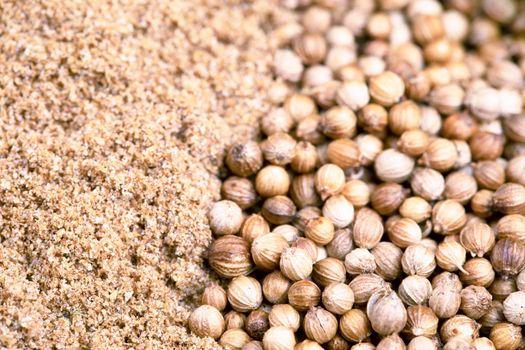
x,y
114,119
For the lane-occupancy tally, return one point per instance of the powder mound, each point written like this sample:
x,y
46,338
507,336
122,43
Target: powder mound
x,y
114,121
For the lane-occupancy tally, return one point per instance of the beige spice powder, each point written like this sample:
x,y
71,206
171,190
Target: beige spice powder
x,y
114,118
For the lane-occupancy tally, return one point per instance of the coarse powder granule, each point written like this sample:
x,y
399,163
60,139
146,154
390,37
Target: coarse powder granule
x,y
114,120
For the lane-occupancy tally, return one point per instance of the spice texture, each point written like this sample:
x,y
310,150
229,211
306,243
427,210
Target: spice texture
x,y
114,121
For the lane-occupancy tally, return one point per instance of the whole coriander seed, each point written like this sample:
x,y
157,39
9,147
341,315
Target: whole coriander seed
x,y
257,324
244,293
341,245
368,228
506,336
304,294
296,263
229,256
365,285
338,298
214,295
266,250
386,88
244,159
320,325
279,338
275,287
272,181
234,338
386,312
284,315
328,270
225,218
355,326
329,180
240,191
206,321
388,260
278,210
415,290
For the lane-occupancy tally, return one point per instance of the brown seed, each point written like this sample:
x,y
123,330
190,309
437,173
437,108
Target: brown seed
x,y
415,290
355,326
421,343
338,343
450,256
329,270
448,279
344,153
413,142
460,187
329,180
244,293
448,217
206,321
506,336
253,227
514,308
339,122
308,345
459,325
475,301
492,317
478,272
404,116
320,325
427,183
489,174
511,226
508,257
482,203
225,218
360,261
284,315
214,295
415,208
368,228
404,232
257,324
386,312
279,148
353,94
310,47
277,120
341,245
393,166
278,210
486,145
275,287
514,128
392,342
320,230
421,321
444,301
509,198
386,88
373,118
418,260
441,155
300,106
365,285
308,130
229,256
244,159
240,191
459,126
234,319
267,249
303,191
388,260
477,238
386,198
357,193
426,28
338,298
305,159
296,264
516,170
502,287
304,294
279,338
308,245
447,99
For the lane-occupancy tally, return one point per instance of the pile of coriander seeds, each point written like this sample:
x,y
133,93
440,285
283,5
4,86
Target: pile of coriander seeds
x,y
383,206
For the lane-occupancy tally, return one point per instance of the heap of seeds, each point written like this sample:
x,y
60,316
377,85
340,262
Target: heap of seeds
x,y
383,208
